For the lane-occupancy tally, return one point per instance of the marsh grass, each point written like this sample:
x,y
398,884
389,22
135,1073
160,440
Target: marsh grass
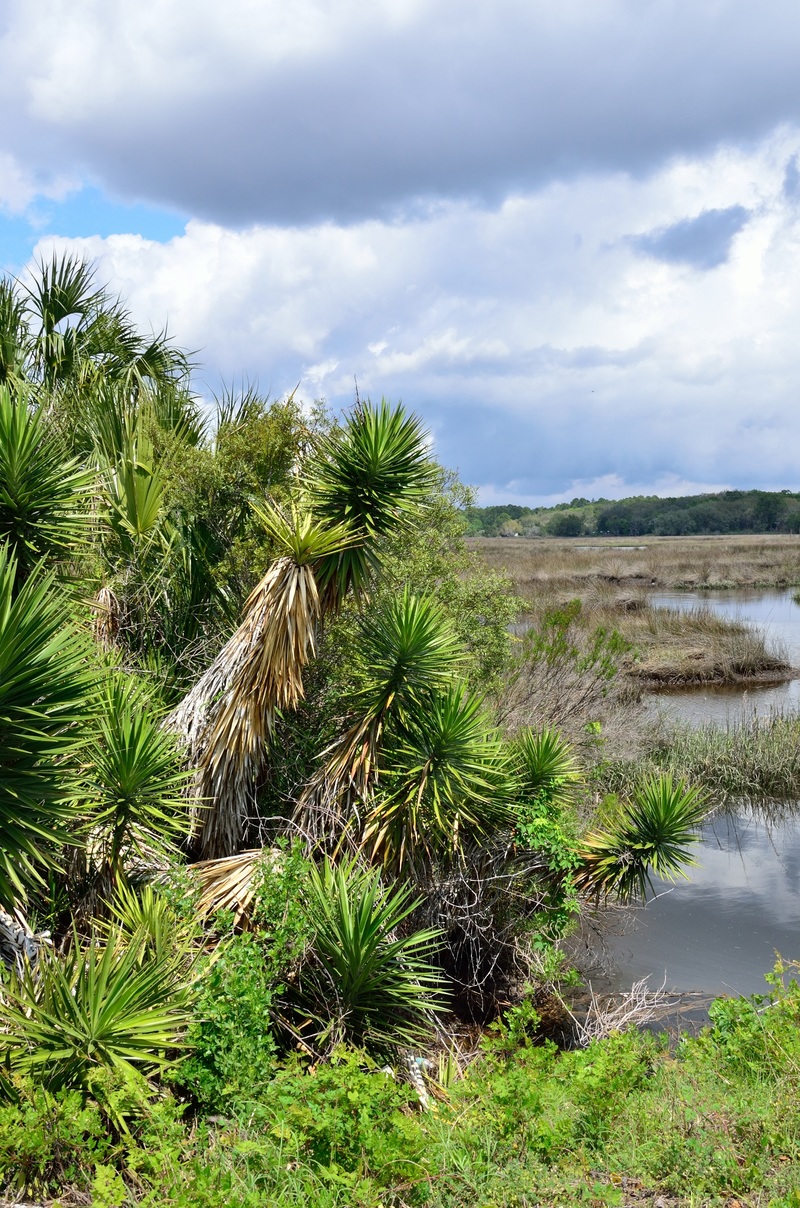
x,y
751,759
574,566
673,646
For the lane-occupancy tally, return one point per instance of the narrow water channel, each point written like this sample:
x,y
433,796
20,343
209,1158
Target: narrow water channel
x,y
718,931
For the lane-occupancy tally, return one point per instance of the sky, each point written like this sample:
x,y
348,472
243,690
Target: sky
x,y
566,234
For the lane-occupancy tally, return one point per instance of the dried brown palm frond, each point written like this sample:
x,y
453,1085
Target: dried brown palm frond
x,y
229,883
107,618
328,807
228,716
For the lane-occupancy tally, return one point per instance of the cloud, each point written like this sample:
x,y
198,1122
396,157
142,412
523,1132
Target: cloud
x,y
296,114
704,241
544,351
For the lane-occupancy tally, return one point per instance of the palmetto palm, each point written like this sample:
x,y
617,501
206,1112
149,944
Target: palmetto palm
x,y
76,333
44,494
46,692
368,479
653,833
115,1004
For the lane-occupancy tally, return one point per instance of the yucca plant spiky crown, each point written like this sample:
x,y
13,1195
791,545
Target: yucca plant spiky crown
x,y
373,474
46,693
651,834
43,493
446,778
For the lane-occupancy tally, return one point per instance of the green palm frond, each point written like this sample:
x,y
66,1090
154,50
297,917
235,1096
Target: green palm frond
x,y
546,765
374,474
136,787
652,834
46,692
44,495
298,535
447,779
366,983
136,499
408,650
14,336
100,1008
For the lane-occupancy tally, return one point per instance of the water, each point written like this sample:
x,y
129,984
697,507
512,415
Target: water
x,y
718,932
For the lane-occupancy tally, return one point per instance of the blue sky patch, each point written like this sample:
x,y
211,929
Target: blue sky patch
x,y
80,215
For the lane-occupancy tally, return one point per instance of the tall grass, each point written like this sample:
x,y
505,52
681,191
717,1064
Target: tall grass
x,y
653,562
752,759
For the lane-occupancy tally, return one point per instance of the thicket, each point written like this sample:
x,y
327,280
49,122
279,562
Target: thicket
x,y
269,830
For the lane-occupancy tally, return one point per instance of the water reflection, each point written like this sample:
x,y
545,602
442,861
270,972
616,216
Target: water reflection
x,y
719,931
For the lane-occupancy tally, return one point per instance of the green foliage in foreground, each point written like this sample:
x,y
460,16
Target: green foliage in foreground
x,y
716,1119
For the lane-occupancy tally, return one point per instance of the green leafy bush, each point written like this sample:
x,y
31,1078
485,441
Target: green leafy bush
x,y
49,1141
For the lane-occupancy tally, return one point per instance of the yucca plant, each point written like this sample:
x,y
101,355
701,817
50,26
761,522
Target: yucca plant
x,y
102,1008
652,834
373,474
365,983
546,765
46,696
135,784
367,480
407,650
446,778
44,495
228,716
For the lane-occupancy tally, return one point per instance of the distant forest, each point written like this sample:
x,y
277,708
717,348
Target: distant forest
x,y
643,515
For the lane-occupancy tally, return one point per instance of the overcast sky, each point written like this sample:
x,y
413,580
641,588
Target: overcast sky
x,y
568,234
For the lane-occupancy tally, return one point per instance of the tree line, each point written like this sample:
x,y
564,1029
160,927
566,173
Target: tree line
x,y
639,516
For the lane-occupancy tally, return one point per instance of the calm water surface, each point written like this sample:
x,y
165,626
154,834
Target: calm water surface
x,y
718,932
778,618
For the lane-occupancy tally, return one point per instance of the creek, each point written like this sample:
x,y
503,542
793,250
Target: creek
x,y
718,931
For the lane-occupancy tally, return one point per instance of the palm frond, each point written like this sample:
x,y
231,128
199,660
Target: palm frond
x,y
374,474
408,649
366,983
44,494
229,883
652,834
46,690
134,782
14,336
228,716
99,1008
447,779
546,765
